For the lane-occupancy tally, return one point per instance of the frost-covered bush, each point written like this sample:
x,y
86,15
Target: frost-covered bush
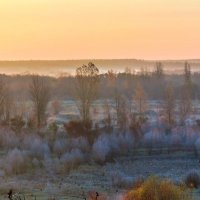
x,y
72,159
8,139
36,147
101,148
64,145
16,162
60,147
109,145
79,143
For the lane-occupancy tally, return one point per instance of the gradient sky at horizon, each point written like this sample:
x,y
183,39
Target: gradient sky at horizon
x,y
77,29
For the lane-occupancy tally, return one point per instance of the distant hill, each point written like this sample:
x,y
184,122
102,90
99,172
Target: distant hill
x,y
64,67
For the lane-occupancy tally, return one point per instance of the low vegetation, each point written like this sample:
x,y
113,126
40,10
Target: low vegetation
x,y
192,179
155,188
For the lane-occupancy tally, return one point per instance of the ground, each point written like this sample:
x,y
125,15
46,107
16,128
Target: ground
x,y
93,177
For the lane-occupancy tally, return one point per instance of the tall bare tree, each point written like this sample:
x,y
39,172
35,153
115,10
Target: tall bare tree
x,y
108,117
121,109
6,101
185,105
140,99
169,105
159,72
87,80
40,96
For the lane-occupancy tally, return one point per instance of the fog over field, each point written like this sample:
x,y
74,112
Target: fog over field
x,y
100,135
99,100
65,67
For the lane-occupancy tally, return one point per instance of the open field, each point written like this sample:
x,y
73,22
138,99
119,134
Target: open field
x,y
93,177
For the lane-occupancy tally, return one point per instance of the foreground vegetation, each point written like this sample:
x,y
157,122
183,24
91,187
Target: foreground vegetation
x,y
155,188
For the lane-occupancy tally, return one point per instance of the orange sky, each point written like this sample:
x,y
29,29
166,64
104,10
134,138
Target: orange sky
x,y
76,29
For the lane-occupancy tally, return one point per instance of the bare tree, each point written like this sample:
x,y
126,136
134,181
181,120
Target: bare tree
x,y
185,104
40,96
108,117
169,105
121,110
111,78
6,101
187,73
87,80
159,72
140,99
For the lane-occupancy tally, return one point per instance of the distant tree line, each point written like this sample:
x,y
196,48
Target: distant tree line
x,y
88,84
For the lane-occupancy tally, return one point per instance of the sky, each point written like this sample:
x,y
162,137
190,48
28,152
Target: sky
x,y
99,29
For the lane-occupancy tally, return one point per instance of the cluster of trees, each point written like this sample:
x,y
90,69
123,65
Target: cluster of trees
x,y
129,92
132,105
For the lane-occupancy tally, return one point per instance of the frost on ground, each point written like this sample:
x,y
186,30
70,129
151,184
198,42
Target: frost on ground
x,y
72,168
110,180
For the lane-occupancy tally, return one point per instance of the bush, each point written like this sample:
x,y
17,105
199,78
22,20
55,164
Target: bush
x,y
17,123
80,128
107,146
73,159
192,180
156,189
16,162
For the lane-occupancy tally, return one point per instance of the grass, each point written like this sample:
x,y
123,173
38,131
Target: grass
x,y
155,188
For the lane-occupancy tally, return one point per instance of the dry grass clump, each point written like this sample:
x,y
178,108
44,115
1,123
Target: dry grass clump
x,y
192,179
155,188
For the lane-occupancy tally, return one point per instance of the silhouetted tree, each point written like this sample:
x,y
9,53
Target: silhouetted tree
x,y
169,105
121,110
86,88
185,105
159,72
40,96
140,99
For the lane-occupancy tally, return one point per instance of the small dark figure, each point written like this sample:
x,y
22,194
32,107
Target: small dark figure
x,y
97,195
10,193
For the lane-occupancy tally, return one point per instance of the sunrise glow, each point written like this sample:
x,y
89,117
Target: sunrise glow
x,y
77,29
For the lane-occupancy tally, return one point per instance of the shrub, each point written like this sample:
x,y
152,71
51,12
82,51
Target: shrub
x,y
16,162
135,126
9,139
192,180
77,128
17,123
36,147
156,189
71,160
60,147
107,146
53,127
80,128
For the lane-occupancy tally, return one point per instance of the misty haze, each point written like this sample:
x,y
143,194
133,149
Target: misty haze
x,y
99,100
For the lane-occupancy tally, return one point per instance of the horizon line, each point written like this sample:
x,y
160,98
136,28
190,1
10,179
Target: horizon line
x,y
99,59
